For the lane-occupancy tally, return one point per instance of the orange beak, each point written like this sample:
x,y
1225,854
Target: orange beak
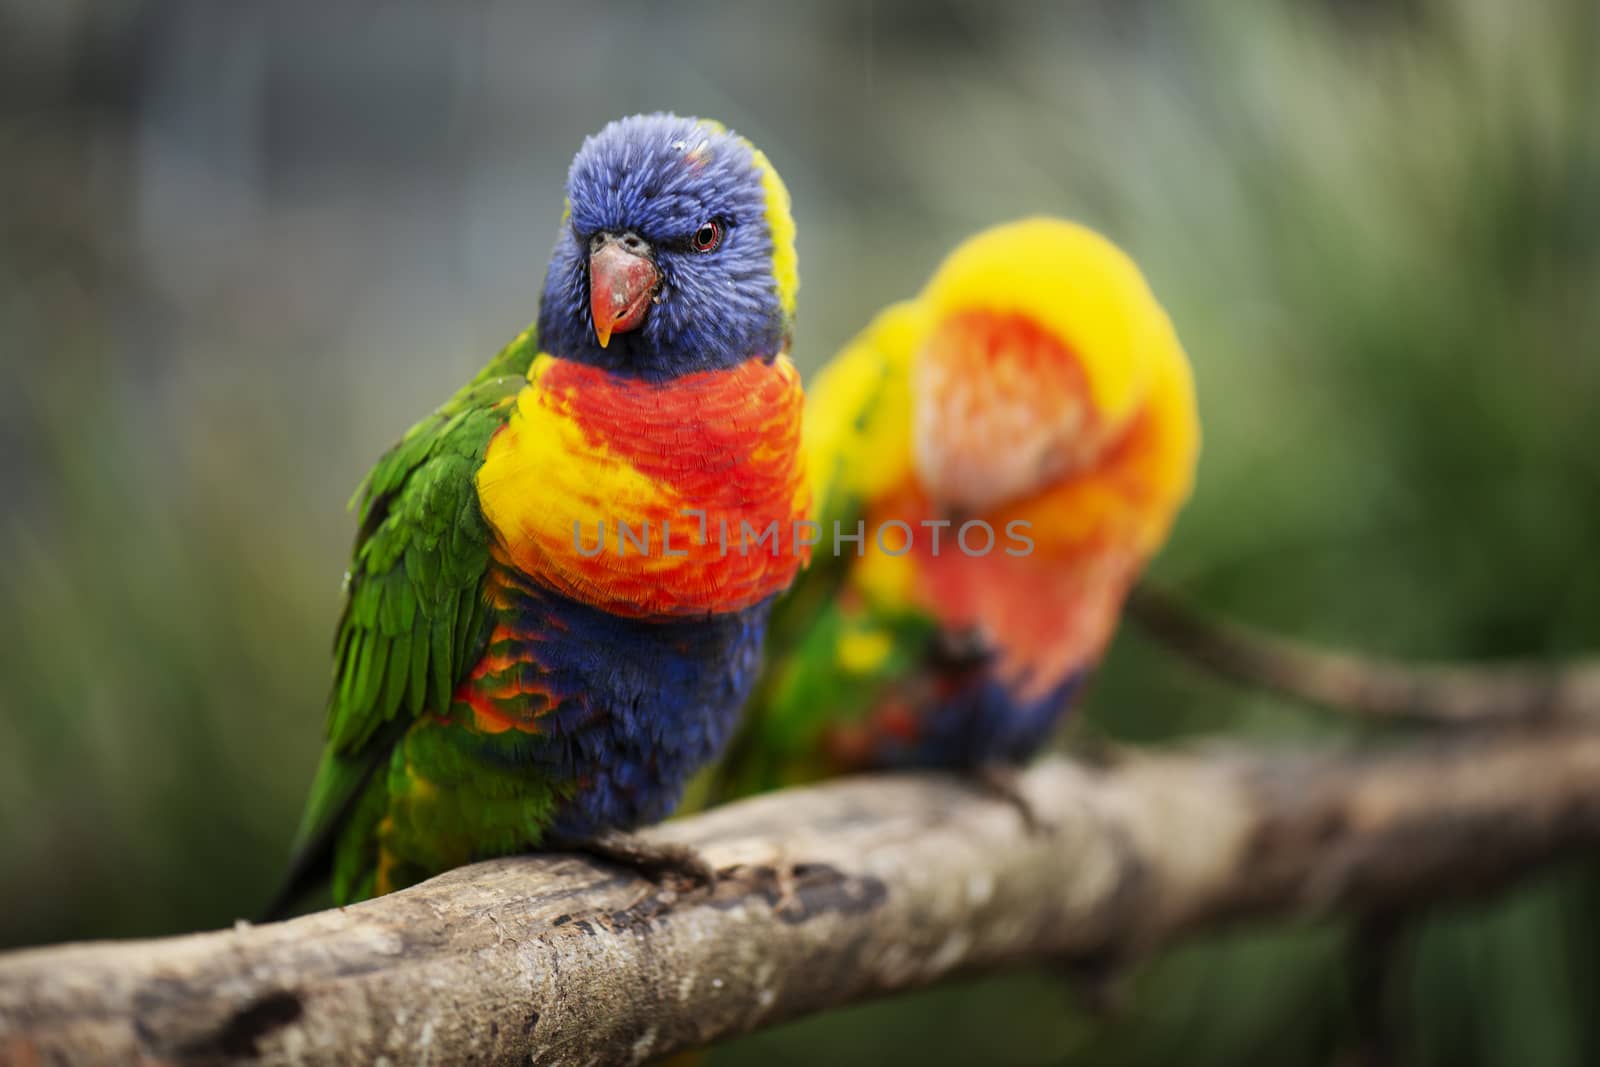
x,y
622,282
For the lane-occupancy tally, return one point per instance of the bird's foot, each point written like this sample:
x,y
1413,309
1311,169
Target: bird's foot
x,y
660,861
1084,743
1004,782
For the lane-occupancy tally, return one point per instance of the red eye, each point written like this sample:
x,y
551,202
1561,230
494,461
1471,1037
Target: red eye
x,y
707,237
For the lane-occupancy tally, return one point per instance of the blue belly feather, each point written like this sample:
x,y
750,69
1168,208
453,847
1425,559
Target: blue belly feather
x,y
651,702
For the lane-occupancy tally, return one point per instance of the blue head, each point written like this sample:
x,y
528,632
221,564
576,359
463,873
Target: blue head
x,y
676,254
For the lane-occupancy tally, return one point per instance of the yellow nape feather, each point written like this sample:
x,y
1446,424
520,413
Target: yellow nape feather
x,y
780,224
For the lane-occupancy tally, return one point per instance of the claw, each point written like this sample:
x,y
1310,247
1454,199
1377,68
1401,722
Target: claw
x,y
1004,782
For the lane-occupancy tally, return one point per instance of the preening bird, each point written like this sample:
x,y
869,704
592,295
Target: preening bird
x,y
994,461
541,642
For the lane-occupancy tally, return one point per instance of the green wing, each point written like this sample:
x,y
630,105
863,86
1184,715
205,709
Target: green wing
x,y
415,618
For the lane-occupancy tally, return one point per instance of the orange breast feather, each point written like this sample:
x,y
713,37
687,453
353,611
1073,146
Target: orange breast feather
x,y
652,499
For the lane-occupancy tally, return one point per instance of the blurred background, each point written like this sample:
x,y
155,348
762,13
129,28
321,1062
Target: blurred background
x,y
242,247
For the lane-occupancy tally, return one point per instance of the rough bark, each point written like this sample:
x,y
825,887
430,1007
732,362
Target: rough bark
x,y
896,882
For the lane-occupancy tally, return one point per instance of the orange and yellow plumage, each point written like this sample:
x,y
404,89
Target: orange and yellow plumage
x,y
1034,396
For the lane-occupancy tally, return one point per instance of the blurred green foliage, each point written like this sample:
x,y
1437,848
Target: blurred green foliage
x,y
1377,228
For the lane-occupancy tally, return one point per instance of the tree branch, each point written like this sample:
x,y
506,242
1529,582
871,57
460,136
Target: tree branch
x,y
897,882
1455,693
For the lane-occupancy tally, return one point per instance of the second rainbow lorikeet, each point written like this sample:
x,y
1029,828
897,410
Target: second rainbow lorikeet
x,y
516,666
994,461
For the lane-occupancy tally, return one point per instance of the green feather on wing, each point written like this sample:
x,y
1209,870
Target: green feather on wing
x,y
414,619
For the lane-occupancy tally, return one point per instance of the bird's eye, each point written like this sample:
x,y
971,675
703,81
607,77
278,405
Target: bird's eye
x,y
707,237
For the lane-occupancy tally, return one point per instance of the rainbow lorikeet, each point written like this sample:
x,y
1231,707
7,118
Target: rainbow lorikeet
x,y
538,647
994,461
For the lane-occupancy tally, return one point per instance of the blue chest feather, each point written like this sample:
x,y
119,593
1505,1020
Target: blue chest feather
x,y
635,707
